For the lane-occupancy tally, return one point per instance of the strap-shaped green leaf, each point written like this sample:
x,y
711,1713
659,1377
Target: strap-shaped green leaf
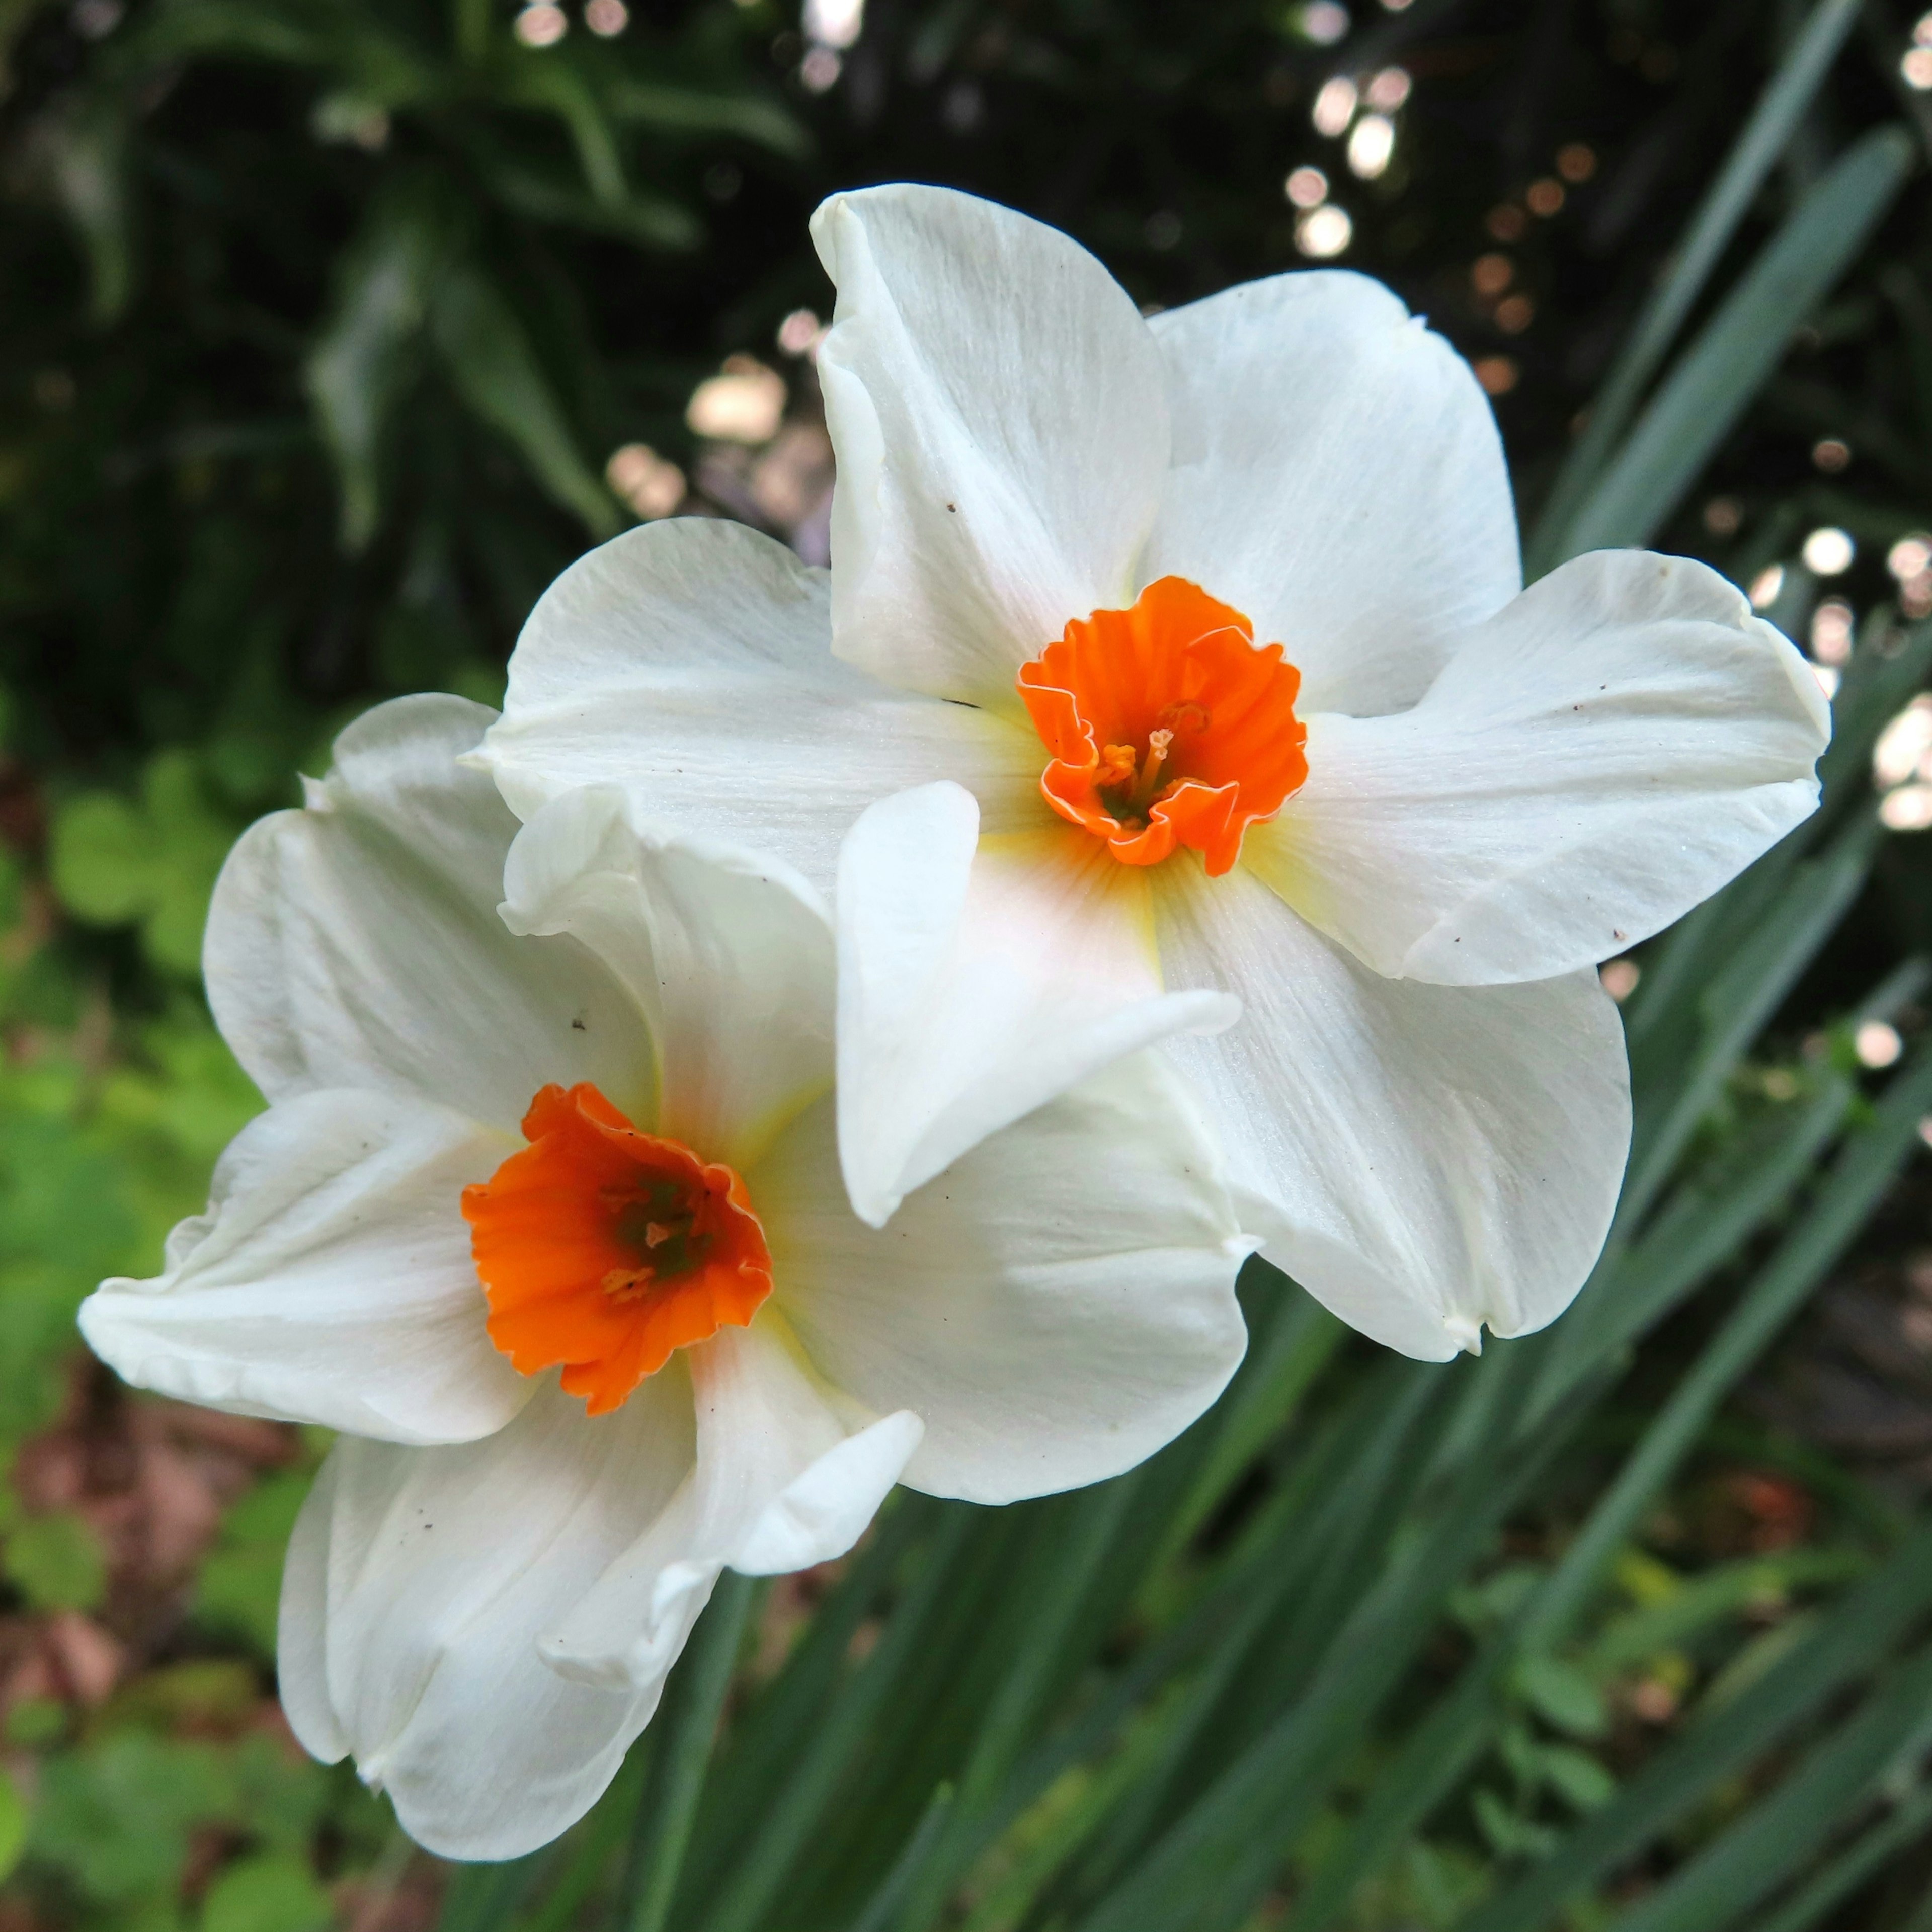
x,y
1737,349
1784,103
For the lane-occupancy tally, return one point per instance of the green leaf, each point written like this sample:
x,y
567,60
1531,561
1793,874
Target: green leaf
x,y
13,1824
84,144
111,862
686,1731
240,1582
1858,1178
272,1891
1740,345
360,365
683,110
102,856
192,841
1751,1860
1721,1742
1579,1778
1510,1835
1561,1696
56,1562
1764,137
495,370
115,1817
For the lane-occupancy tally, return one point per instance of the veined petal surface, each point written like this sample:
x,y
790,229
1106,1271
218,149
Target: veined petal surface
x,y
1610,749
996,404
788,1472
357,943
1055,1306
690,662
419,1585
977,979
1337,476
329,1282
1424,1159
732,965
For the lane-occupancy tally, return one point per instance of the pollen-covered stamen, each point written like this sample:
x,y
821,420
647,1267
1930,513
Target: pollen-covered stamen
x,y
1167,726
604,1249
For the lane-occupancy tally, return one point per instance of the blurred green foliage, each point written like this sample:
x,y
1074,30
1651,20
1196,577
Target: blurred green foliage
x,y
323,318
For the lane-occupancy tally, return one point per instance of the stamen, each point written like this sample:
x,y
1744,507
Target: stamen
x,y
1150,778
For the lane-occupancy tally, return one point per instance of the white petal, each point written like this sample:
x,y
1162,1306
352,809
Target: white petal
x,y
690,662
789,1472
356,943
1611,748
733,966
995,403
439,1571
1338,477
973,986
329,1282
1434,1157
1056,1306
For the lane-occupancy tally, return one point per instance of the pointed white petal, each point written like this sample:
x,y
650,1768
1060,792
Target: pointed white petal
x,y
789,1472
1337,476
356,943
329,1282
1621,741
690,662
419,1585
732,964
995,402
976,984
1056,1306
1436,1157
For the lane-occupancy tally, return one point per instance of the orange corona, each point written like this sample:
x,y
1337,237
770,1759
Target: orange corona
x,y
1166,726
604,1249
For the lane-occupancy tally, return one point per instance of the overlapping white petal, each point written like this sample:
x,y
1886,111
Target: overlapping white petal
x,y
996,404
1337,476
330,1280
420,1585
1425,1160
978,978
357,943
1055,1306
690,661
1602,754
732,966
788,1472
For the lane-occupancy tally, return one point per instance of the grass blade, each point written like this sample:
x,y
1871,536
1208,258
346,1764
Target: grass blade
x,y
1781,1832
1859,1176
686,1727
1765,137
1210,1868
1720,1742
1736,352
1858,1862
1741,999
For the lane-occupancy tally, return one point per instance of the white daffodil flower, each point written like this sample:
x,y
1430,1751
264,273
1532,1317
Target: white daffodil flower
x,y
1178,659
580,1366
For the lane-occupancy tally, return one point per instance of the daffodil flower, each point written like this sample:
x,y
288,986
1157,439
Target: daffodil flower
x,y
1181,661
545,1217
